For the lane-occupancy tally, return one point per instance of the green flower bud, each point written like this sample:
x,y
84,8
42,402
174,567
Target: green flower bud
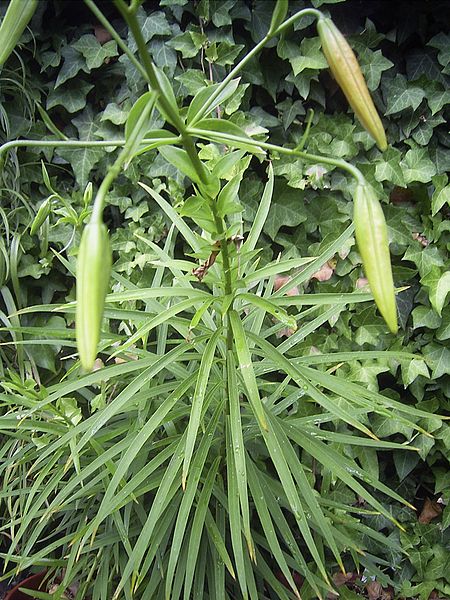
x,y
279,14
373,245
93,273
345,69
41,215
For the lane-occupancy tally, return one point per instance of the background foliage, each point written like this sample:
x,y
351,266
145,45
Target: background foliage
x,y
70,79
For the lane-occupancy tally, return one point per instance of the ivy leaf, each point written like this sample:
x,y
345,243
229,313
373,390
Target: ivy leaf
x,y
290,111
83,160
74,62
399,95
373,64
438,358
389,168
417,166
422,62
285,210
114,113
72,95
188,43
423,133
400,225
443,333
227,53
441,41
261,18
94,52
412,369
424,258
441,194
405,462
193,80
164,57
154,24
220,12
441,158
425,317
437,98
309,57
439,286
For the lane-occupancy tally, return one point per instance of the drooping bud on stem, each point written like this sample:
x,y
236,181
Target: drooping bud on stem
x,y
345,69
93,273
373,245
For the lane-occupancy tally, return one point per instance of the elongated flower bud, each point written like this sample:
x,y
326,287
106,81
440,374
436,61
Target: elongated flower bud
x,y
17,17
278,15
93,273
373,245
41,215
345,69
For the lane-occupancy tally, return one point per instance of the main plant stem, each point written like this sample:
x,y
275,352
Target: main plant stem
x,y
129,15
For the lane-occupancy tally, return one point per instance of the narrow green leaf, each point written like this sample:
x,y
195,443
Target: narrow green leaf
x,y
198,464
218,543
197,401
238,447
246,368
234,517
268,527
192,565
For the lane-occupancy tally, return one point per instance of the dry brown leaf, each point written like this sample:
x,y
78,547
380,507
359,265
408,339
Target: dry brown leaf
x,y
431,509
362,282
285,332
98,364
374,590
102,34
324,273
342,578
420,238
281,280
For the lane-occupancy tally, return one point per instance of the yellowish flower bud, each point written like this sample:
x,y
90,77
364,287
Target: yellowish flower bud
x,y
373,245
93,273
345,69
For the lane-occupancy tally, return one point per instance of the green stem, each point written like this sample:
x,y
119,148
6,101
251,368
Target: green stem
x,y
224,250
152,77
116,37
241,64
309,119
81,143
99,201
235,140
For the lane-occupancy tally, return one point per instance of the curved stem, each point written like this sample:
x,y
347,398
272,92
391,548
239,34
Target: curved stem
x,y
234,140
241,64
99,201
82,143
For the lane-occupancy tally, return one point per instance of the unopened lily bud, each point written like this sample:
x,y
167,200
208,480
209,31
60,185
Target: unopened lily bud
x,y
373,245
41,215
345,69
93,273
